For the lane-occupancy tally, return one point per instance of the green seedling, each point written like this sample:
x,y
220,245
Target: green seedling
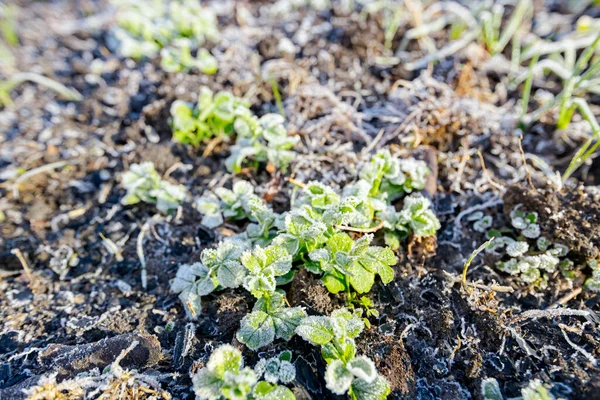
x,y
143,183
346,372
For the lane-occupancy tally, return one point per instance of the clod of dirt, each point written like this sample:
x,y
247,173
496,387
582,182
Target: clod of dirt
x,y
568,217
71,360
392,361
308,291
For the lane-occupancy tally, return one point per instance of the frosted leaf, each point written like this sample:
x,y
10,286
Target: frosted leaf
x,y
536,390
376,390
510,266
363,368
316,330
257,330
286,320
476,216
561,250
238,385
483,224
266,391
287,372
225,358
207,385
260,366
272,370
337,377
258,285
531,275
532,231
490,390
542,243
209,206
519,223
517,249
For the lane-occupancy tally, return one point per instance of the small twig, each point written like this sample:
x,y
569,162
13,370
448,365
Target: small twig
x,y
487,174
525,162
176,166
468,263
555,312
211,146
140,252
23,261
566,298
579,349
296,182
32,172
360,230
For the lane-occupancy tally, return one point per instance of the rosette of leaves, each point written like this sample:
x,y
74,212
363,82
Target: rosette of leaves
x,y
277,369
143,183
263,140
416,218
526,222
319,196
388,174
346,372
264,266
270,318
264,220
225,377
232,204
304,232
220,268
178,58
144,29
213,115
347,264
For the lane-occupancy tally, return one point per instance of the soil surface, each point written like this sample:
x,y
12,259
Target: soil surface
x,y
432,338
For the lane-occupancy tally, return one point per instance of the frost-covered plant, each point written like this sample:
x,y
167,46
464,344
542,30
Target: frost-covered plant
x,y
143,183
525,253
175,26
277,369
220,268
535,390
226,377
347,263
270,318
346,372
416,217
213,115
525,222
179,58
262,140
593,283
388,174
224,204
490,389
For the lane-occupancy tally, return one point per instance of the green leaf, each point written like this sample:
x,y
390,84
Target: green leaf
x,y
340,242
257,330
265,391
316,330
207,385
490,390
378,389
361,279
338,378
363,368
286,320
334,281
225,358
